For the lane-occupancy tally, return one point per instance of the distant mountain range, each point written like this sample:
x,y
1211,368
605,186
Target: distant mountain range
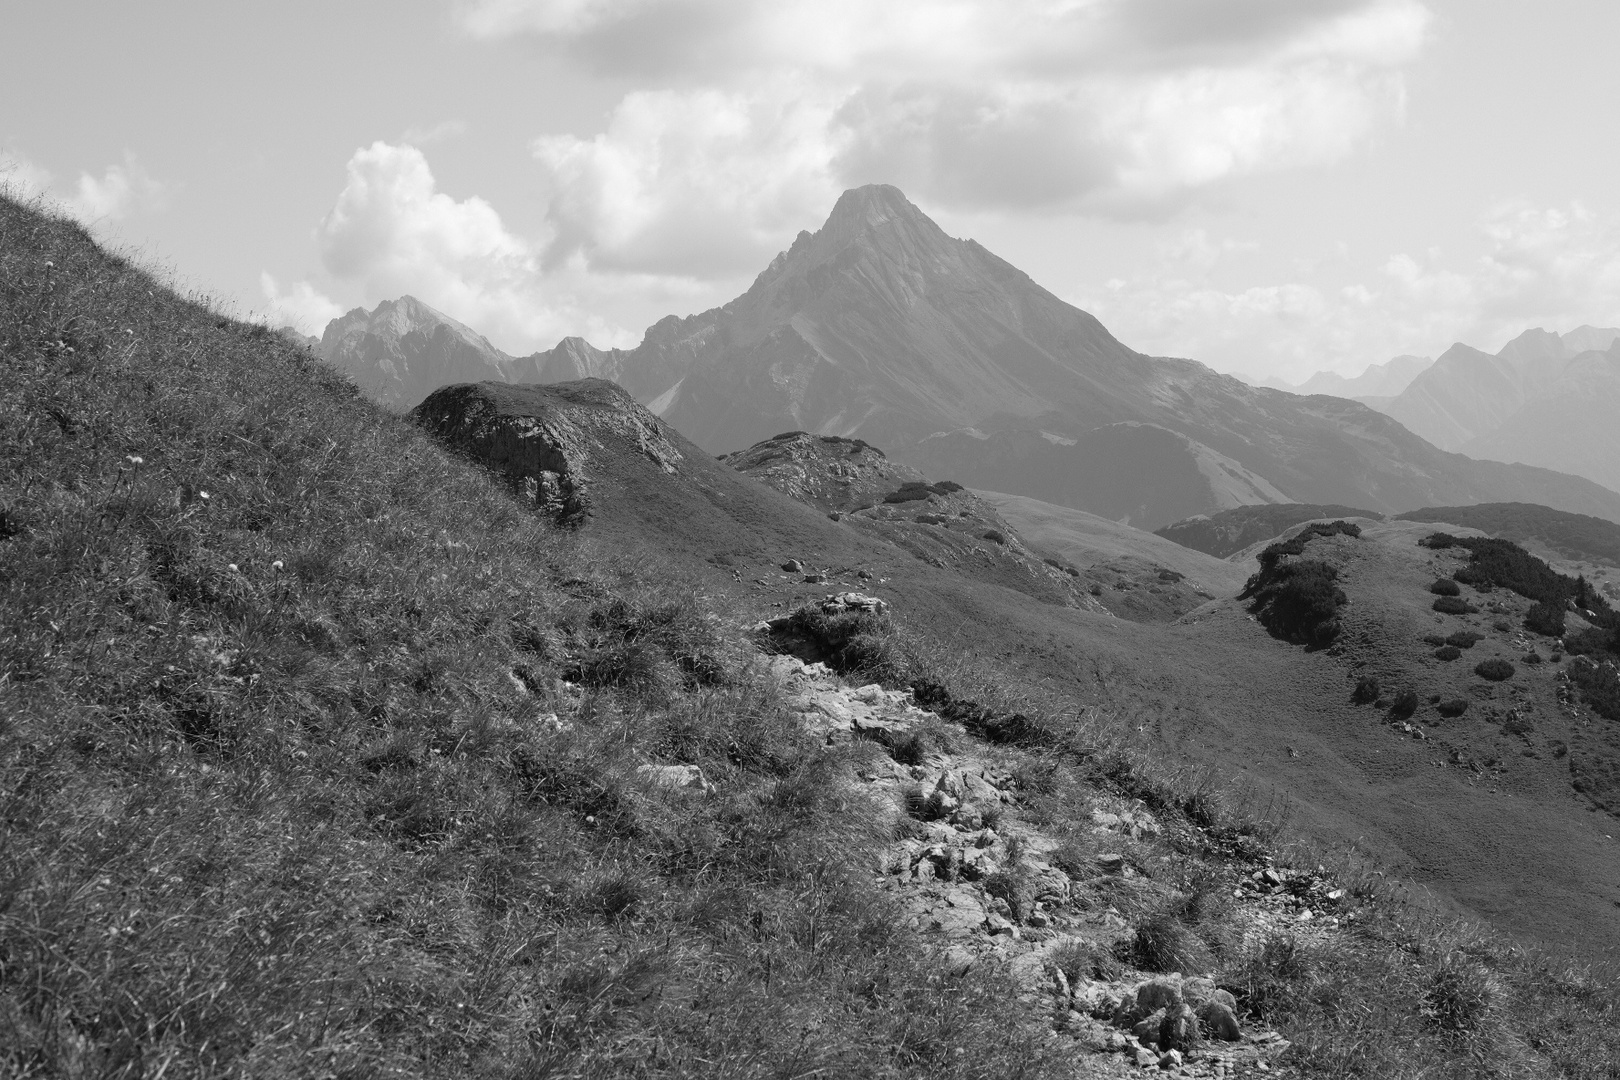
x,y
1379,381
1545,399
880,326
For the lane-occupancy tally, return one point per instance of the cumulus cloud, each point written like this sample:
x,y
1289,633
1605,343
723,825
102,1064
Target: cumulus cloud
x,y
119,191
1122,107
301,306
1552,267
391,231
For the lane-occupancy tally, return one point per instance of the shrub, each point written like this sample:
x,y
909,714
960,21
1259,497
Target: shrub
x,y
1404,705
1447,653
1465,639
1298,602
1452,709
1366,691
1446,587
995,536
1545,617
1532,657
917,490
1494,669
1454,605
1599,685
1592,641
1295,545
1270,978
1164,943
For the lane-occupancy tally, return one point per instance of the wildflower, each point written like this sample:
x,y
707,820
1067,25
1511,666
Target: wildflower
x,y
202,495
232,568
135,459
277,566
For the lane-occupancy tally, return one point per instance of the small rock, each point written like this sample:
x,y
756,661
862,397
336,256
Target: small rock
x,y
1111,863
1158,995
1147,1029
958,961
683,777
814,579
1219,1020
1145,1058
998,924
793,566
1179,1029
1170,1059
1117,1041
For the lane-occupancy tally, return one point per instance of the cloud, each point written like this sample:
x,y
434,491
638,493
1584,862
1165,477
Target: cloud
x,y
301,307
391,231
120,190
1553,267
1117,107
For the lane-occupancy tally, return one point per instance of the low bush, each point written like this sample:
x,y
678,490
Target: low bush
x,y
1599,684
1452,709
1366,691
1494,669
1298,601
1545,617
917,490
1532,657
1295,545
1454,605
1404,705
995,536
1447,653
1594,641
1446,587
1465,639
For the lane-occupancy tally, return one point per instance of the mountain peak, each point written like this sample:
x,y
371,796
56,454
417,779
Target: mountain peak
x,y
876,207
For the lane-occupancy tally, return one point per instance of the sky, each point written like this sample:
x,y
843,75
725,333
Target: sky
x,y
1273,187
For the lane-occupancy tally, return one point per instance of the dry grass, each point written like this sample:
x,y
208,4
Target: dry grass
x,y
319,756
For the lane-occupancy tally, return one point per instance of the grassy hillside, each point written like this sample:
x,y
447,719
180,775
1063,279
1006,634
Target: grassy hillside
x,y
294,785
1575,536
321,756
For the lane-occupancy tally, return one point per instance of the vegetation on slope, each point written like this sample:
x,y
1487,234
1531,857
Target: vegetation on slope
x,y
1299,601
1230,531
318,756
293,780
1575,536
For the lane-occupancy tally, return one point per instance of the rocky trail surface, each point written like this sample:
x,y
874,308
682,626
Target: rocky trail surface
x,y
990,886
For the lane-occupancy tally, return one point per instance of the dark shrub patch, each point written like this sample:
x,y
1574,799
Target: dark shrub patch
x,y
1171,576
1546,618
1501,626
1295,545
1438,541
1447,653
995,536
1446,587
916,490
1436,640
1465,639
1404,705
1366,691
1592,641
1454,605
1298,602
1494,669
1453,708
1599,685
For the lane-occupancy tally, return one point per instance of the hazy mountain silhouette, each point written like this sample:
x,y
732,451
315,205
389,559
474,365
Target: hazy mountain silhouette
x,y
1379,381
1545,399
402,350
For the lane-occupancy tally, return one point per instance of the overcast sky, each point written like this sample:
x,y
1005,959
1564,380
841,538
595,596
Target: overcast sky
x,y
1270,186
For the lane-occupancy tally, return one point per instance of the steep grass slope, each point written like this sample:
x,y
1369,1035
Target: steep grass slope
x,y
291,783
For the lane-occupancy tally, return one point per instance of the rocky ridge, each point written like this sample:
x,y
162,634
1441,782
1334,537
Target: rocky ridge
x,y
991,886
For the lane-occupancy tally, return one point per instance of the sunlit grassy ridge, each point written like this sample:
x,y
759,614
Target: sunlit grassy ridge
x,y
319,756
290,781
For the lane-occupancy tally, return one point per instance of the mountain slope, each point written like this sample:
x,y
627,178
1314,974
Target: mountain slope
x,y
882,327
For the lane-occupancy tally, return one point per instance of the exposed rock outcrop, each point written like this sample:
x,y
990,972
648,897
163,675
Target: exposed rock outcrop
x,y
546,439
